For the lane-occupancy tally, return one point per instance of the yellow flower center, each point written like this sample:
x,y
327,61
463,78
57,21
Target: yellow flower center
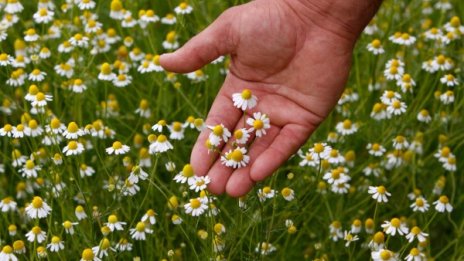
x,y
405,36
395,222
347,124
55,123
40,96
414,252
36,230
30,32
30,164
236,155
183,5
79,209
385,255
400,139
7,249
161,138
396,104
37,202
3,57
258,124
151,213
199,73
20,127
333,153
7,128
444,199
394,70
187,171
117,145
112,219
381,190
177,126
424,113
33,124
105,243
376,43
246,94
419,202
441,59
18,245
238,134
171,37
455,21
267,190
87,254
72,127
67,225
218,130
286,192
72,145
318,148
379,237
122,77
106,68
56,240
195,203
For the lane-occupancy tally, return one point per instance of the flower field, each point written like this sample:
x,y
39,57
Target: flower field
x,y
95,141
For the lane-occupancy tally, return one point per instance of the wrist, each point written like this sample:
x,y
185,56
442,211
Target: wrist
x,y
345,18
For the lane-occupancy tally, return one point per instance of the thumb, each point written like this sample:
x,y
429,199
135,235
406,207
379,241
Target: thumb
x,y
214,41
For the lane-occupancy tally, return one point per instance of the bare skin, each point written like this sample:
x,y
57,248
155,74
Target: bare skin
x,y
294,55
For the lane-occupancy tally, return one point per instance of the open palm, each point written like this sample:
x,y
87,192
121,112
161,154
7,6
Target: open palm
x,y
296,67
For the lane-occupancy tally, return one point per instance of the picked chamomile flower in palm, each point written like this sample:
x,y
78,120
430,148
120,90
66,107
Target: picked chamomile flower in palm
x,y
244,100
235,158
219,133
259,123
117,148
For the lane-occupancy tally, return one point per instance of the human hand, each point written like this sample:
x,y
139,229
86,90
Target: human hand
x,y
293,55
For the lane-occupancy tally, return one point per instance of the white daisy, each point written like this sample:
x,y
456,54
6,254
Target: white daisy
x,y
219,133
117,149
195,207
443,205
235,158
198,183
244,100
259,123
379,193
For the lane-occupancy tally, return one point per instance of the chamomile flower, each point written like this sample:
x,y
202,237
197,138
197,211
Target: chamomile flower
x,y
13,7
123,245
158,127
416,232
259,123
415,255
308,160
346,127
442,205
73,148
195,207
236,158
36,234
114,224
395,226
400,143
348,237
383,255
106,73
117,149
447,97
402,39
85,4
420,205
406,83
185,175
396,107
87,254
64,69
79,40
265,248
161,145
424,116
103,248
7,204
450,163
379,193
136,174
177,131
375,47
169,19
43,16
86,171
288,194
219,133
266,193
69,227
37,76
31,35
244,100
335,157
7,130
335,229
7,254
449,80
183,8
140,231
38,208
30,169
149,216
433,34
56,244
122,80
198,183
171,42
